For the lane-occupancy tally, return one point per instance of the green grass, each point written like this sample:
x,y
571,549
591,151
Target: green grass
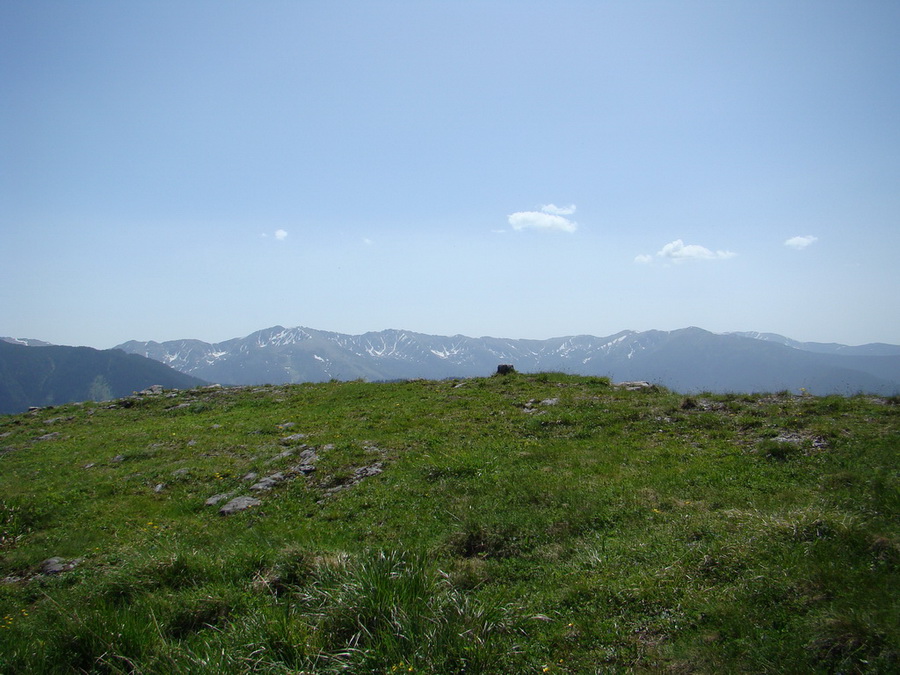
x,y
526,523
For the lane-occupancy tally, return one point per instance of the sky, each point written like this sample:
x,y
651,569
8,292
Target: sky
x,y
517,169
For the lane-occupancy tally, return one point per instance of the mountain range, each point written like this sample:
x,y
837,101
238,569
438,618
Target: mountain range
x,y
33,373
686,360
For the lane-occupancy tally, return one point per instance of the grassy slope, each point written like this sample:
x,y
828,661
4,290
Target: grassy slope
x,y
608,531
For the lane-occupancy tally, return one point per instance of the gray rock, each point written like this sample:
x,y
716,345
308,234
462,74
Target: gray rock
x,y
268,482
293,438
215,499
367,471
159,488
632,386
280,455
58,565
48,437
308,456
238,504
250,476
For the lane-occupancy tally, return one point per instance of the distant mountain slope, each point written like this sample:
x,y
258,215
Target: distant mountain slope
x,y
41,376
872,349
28,342
686,360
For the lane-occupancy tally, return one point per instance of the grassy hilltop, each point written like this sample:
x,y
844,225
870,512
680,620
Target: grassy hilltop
x,y
517,524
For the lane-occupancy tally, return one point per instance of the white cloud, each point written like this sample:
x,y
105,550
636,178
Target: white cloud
x,y
281,235
558,210
801,242
367,241
677,251
549,218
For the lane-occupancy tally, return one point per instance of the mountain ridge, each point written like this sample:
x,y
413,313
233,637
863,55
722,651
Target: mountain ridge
x,y
49,375
689,359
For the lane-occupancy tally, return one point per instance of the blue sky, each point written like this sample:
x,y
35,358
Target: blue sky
x,y
515,169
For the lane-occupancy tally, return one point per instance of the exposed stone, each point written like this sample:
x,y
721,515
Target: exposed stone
x,y
215,499
48,437
367,471
633,386
159,488
250,476
293,438
268,482
309,456
58,565
239,504
280,455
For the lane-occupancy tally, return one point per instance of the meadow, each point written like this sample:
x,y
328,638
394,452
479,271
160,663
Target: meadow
x,y
523,523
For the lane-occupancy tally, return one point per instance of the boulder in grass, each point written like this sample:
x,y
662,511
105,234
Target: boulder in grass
x,y
238,504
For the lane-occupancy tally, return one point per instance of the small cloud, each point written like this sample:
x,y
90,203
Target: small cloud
x,y
550,218
281,235
800,243
558,210
677,251
367,241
